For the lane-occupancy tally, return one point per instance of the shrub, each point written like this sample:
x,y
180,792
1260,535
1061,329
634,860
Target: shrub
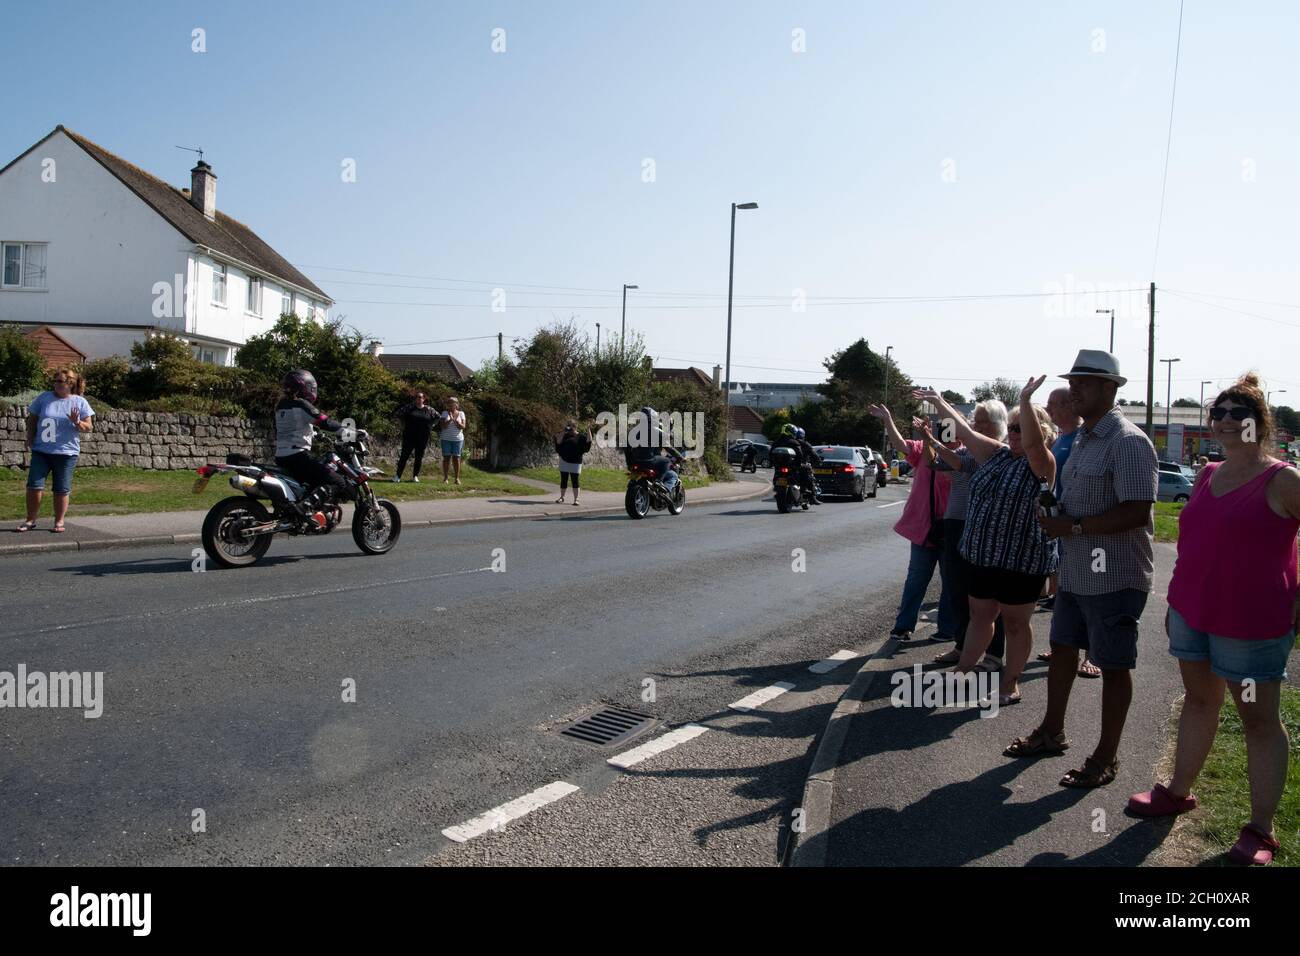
x,y
107,378
192,405
21,364
512,423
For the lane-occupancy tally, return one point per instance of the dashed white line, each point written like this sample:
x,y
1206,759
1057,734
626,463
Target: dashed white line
x,y
892,503
657,746
498,817
761,697
832,662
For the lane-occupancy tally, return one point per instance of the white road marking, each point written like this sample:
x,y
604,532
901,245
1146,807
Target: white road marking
x,y
657,746
498,817
761,697
832,662
892,503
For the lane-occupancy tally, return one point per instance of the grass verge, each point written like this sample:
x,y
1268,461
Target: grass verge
x,y
110,491
1223,789
1167,520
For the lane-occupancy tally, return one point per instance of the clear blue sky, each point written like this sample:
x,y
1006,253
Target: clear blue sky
x,y
526,167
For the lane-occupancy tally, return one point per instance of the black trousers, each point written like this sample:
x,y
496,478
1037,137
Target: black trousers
x,y
564,481
956,578
409,446
313,473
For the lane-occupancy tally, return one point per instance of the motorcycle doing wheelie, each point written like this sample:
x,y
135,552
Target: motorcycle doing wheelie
x,y
787,481
237,531
645,491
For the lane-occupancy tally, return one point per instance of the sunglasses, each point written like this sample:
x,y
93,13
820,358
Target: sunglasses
x,y
1239,413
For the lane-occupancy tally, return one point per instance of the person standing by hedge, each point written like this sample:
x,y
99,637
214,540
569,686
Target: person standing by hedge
x,y
56,420
571,447
451,434
417,420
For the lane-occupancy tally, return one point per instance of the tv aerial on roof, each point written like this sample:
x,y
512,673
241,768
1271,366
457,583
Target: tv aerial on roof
x,y
193,149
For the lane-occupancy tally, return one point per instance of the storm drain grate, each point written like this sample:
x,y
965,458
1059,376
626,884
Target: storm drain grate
x,y
609,725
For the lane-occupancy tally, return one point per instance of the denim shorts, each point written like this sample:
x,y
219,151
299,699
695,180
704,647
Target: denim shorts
x,y
1232,658
451,447
1104,625
59,466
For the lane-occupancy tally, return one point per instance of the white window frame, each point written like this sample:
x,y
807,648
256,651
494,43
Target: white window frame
x,y
311,309
253,299
220,271
21,285
286,302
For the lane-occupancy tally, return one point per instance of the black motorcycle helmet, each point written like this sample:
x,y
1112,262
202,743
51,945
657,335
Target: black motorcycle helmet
x,y
300,383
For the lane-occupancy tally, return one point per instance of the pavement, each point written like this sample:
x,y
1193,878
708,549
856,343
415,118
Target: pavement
x,y
911,786
94,532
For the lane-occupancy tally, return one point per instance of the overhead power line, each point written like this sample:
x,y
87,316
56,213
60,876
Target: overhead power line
x,y
1169,137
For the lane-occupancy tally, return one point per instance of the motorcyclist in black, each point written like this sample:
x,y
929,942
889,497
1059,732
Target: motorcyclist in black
x,y
648,448
750,462
295,417
811,458
803,457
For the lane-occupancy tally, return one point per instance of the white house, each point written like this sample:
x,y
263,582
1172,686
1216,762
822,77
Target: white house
x,y
106,254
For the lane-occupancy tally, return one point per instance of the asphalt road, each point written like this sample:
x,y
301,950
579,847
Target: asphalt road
x,y
224,689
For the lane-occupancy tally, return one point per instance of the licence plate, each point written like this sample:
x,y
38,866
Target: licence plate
x,y
823,471
201,483
782,482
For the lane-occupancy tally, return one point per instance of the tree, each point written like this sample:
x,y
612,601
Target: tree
x,y
953,398
352,382
1003,389
22,367
616,376
551,367
1287,419
1186,403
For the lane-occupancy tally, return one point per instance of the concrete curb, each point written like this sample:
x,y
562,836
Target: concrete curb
x,y
154,540
810,848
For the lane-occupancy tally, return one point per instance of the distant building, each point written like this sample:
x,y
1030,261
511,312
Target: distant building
x,y
54,348
106,255
446,368
769,396
744,422
696,376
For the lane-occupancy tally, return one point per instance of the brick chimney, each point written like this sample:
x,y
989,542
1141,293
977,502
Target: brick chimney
x,y
203,189
376,348
717,377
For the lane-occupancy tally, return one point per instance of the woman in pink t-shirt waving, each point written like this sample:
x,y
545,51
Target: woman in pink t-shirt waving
x,y
1233,613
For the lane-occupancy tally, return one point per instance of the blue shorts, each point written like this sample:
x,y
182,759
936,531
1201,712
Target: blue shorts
x,y
59,466
1232,658
451,447
1104,625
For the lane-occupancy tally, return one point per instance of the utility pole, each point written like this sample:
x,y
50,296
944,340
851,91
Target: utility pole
x,y
623,334
1151,361
885,399
1204,426
501,346
598,337
1169,392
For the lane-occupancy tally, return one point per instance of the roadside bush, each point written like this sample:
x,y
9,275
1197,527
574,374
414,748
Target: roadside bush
x,y
21,364
512,423
192,405
107,378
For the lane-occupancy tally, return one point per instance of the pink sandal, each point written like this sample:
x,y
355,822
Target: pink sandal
x,y
1254,847
1159,802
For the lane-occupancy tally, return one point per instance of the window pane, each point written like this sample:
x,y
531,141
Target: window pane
x,y
286,303
13,261
34,266
219,284
255,295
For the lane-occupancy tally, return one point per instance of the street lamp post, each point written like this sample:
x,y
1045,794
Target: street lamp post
x,y
731,277
623,333
885,400
1169,389
1268,396
1204,424
1112,327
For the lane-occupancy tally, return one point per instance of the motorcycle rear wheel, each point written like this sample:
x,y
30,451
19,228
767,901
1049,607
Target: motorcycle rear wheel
x,y
637,500
678,503
220,527
783,501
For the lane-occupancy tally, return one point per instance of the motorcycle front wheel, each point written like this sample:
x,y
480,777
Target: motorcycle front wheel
x,y
637,500
376,526
221,532
678,503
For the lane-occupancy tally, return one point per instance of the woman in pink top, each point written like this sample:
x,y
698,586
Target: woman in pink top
x,y
1233,613
922,524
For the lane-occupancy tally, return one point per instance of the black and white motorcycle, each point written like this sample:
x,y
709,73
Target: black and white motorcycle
x,y
237,531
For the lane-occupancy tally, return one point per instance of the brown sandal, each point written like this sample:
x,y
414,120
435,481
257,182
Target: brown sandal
x,y
1091,774
1037,744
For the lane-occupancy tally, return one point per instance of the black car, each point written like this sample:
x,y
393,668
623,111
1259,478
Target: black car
x,y
736,453
843,472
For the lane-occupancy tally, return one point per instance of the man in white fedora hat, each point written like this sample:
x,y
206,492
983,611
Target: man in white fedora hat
x,y
1106,531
